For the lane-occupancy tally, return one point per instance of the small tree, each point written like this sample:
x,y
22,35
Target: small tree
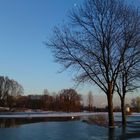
x,y
90,101
8,90
135,103
69,100
46,99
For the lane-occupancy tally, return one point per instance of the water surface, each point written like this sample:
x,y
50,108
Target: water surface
x,y
72,130
30,129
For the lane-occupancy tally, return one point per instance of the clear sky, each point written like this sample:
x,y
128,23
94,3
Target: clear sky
x,y
24,26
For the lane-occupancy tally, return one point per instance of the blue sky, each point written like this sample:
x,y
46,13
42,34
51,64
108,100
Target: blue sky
x,y
24,26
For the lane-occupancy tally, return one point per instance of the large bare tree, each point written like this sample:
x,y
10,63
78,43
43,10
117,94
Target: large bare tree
x,y
91,44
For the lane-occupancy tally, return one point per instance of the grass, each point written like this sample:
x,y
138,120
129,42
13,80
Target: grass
x,y
99,119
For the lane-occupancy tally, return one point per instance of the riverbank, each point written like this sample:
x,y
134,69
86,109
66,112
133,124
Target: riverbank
x,y
55,114
47,114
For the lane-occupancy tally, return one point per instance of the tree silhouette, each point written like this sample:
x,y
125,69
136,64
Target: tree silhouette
x,y
92,44
9,89
129,75
69,100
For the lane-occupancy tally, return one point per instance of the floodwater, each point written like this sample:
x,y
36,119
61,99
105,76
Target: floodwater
x,y
65,130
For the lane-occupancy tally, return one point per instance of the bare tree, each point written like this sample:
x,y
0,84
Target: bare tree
x,y
90,101
9,89
135,103
129,74
69,100
46,99
92,45
46,92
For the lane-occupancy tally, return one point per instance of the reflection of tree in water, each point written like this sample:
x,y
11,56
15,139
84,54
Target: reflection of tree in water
x,y
4,123
129,134
16,122
111,134
124,133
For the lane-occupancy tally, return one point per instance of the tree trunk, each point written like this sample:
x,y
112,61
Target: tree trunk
x,y
110,110
123,112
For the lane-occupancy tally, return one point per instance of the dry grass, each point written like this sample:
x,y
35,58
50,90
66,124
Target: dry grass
x,y
98,119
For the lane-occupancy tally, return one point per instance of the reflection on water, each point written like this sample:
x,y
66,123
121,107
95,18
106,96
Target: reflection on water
x,y
43,129
111,134
130,132
16,122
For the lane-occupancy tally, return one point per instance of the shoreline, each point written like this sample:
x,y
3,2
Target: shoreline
x,y
47,114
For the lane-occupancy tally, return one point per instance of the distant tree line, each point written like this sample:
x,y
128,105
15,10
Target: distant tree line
x,y
67,100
